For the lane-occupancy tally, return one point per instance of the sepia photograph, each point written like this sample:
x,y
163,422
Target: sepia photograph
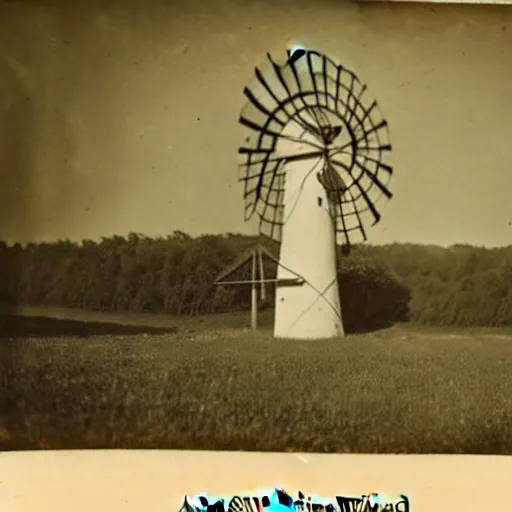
x,y
256,225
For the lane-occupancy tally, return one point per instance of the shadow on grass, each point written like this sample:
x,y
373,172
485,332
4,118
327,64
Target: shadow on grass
x,y
14,326
368,327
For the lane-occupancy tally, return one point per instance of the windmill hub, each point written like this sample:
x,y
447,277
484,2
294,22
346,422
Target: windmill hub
x,y
329,133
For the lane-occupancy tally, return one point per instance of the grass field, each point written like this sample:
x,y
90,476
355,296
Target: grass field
x,y
208,383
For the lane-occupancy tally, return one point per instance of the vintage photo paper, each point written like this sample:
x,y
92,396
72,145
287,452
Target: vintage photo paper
x,y
256,226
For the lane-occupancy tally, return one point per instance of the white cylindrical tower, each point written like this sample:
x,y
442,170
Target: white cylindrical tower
x,y
308,251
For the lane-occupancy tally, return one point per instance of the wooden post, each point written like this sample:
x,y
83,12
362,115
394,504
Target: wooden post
x,y
254,294
262,275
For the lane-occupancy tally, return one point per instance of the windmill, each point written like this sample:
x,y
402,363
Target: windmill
x,y
314,169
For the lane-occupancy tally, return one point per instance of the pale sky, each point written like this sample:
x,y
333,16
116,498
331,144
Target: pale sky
x,y
116,119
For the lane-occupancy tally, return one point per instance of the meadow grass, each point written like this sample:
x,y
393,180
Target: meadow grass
x,y
407,389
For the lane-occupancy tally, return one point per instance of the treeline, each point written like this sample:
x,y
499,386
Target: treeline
x,y
379,285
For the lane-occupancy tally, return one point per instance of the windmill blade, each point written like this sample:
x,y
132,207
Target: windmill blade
x,y
334,114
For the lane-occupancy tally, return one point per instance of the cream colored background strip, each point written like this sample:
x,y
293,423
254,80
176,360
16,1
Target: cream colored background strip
x,y
156,481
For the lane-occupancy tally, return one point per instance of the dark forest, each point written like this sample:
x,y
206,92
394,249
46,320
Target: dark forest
x,y
457,286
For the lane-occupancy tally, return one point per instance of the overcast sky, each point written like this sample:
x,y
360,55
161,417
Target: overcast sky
x,y
116,118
